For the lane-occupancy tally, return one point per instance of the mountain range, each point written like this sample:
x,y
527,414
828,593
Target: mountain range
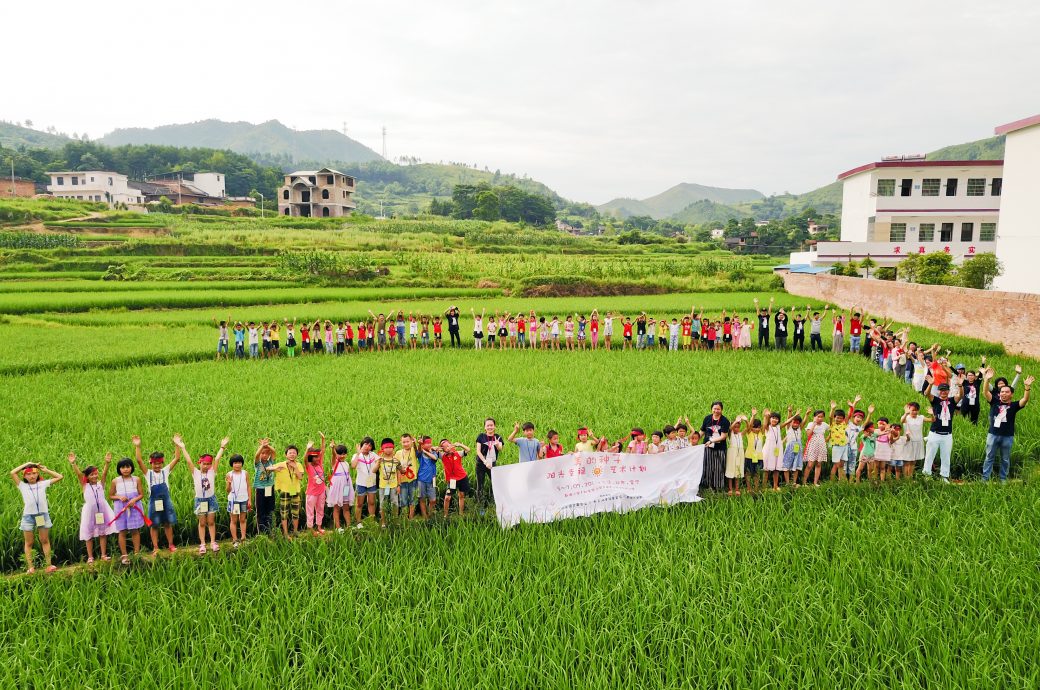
x,y
270,138
676,199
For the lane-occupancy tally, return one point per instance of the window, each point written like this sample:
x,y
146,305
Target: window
x,y
946,232
325,212
286,211
886,187
330,179
951,186
324,194
988,231
61,181
75,181
976,186
967,232
897,233
905,187
926,233
285,193
110,182
312,179
997,186
930,186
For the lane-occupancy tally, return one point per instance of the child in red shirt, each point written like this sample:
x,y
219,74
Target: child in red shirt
x,y
454,474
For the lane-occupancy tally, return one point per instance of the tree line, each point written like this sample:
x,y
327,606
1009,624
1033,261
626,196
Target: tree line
x,y
242,175
486,202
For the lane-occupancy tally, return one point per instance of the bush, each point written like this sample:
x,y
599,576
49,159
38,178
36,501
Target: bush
x,y
885,273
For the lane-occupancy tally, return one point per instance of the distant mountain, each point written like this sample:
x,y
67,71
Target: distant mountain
x,y
270,138
705,211
676,199
981,150
12,136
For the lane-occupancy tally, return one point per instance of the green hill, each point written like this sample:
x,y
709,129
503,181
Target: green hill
x,y
705,211
13,136
676,199
982,150
270,139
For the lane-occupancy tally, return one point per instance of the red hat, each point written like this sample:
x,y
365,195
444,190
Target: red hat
x,y
583,430
206,457
387,446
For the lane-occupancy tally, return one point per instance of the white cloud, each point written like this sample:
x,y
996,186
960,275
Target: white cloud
x,y
597,99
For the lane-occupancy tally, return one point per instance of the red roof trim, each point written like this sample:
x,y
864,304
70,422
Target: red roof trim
x,y
917,164
1017,125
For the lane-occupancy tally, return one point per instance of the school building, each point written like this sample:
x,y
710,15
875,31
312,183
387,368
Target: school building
x,y
907,205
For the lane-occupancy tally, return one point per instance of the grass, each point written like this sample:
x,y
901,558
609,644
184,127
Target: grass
x,y
919,587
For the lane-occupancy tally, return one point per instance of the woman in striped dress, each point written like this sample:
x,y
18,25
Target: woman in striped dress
x,y
715,430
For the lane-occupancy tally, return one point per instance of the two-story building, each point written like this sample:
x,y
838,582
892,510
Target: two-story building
x,y
322,193
95,185
907,205
1019,243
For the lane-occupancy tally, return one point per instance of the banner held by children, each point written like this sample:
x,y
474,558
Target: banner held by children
x,y
581,484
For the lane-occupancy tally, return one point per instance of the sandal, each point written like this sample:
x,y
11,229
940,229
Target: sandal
x,y
214,546
125,560
106,558
155,552
30,570
173,549
52,568
90,560
202,549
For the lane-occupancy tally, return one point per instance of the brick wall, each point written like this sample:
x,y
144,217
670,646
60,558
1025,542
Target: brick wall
x,y
1012,318
22,188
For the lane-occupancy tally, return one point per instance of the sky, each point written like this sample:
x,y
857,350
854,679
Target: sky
x,y
596,99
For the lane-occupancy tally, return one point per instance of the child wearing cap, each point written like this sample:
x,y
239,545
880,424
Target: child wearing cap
x,y
36,514
389,486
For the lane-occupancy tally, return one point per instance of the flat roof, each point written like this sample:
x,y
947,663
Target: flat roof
x,y
918,164
83,172
1017,125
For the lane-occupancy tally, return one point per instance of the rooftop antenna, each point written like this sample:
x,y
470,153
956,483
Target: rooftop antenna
x,y
384,143
344,128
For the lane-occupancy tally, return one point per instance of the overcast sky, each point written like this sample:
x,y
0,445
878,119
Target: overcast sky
x,y
596,99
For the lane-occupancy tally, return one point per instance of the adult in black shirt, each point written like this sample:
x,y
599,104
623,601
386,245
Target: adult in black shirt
x,y
780,339
489,445
715,430
641,331
798,342
940,433
453,326
1002,413
764,316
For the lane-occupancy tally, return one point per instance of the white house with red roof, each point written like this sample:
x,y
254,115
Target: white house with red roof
x,y
1019,244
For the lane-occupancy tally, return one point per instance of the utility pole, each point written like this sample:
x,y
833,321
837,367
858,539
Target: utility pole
x,y
344,128
384,143
180,183
12,177
261,204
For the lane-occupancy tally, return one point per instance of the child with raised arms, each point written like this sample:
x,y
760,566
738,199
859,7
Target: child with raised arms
x,y
882,447
160,502
314,465
838,439
478,328
341,488
594,329
735,446
912,422
36,516
240,498
530,448
492,331
554,332
753,444
608,328
438,332
772,447
867,448
366,464
290,337
287,476
792,458
95,519
815,446
204,478
126,496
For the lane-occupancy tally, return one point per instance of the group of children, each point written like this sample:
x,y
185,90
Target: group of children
x,y
391,480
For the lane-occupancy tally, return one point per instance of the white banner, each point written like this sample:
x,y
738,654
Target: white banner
x,y
582,484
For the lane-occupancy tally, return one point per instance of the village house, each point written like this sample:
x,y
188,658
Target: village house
x,y
324,193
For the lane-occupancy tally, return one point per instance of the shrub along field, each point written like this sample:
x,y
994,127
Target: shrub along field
x,y
913,584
